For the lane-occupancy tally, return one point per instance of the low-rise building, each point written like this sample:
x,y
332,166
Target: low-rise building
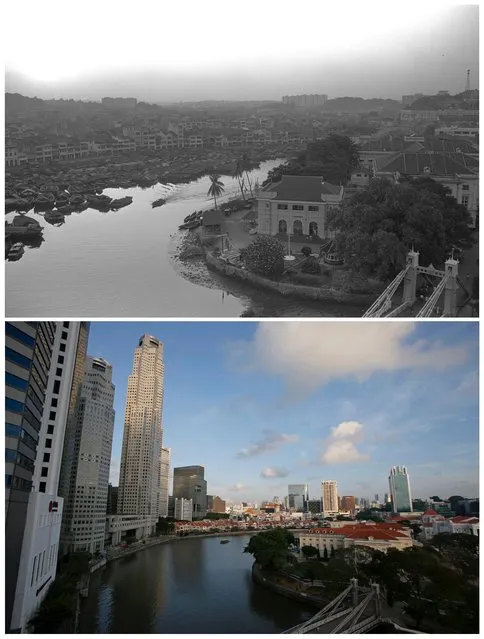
x,y
380,537
119,527
297,205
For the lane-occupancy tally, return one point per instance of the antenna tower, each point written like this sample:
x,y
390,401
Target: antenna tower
x,y
468,82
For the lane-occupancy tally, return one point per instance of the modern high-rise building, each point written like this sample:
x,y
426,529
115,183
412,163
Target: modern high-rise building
x,y
140,473
112,508
314,506
298,496
209,503
329,494
399,482
189,483
164,481
86,525
28,356
183,509
348,503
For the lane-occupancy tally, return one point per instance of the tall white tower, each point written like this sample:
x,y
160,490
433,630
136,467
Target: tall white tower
x,y
139,479
329,494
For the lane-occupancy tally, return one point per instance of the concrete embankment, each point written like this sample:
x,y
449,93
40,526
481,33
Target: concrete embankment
x,y
287,289
259,578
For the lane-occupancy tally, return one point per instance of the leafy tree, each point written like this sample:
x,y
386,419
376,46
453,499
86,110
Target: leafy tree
x,y
306,251
312,266
165,526
454,502
435,498
309,551
376,227
333,158
270,548
264,256
216,188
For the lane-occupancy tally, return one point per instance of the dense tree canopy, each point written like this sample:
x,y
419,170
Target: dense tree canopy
x,y
264,256
270,548
377,227
333,158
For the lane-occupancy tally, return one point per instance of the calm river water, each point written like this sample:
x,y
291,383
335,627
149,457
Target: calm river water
x,y
186,586
119,264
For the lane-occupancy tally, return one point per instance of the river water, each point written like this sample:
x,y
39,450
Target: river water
x,y
121,264
191,585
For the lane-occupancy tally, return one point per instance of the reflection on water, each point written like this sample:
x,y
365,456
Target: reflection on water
x,y
187,586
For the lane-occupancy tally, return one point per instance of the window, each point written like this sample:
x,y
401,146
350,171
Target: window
x,y
60,359
53,402
15,357
48,443
13,406
282,207
465,187
313,208
15,382
44,471
46,457
297,207
52,415
62,348
64,335
56,387
19,335
42,486
50,429
465,200
58,372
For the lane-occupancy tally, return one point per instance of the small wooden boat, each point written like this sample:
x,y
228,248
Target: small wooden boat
x,y
159,202
65,210
16,251
190,225
23,226
225,541
54,217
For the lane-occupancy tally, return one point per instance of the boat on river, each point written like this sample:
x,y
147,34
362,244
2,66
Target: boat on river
x,y
189,226
119,203
225,541
54,217
159,202
23,226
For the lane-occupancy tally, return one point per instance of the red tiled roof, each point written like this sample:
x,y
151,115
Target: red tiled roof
x,y
416,163
460,519
302,188
431,512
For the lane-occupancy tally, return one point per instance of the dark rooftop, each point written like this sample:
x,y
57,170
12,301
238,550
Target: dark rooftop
x,y
302,188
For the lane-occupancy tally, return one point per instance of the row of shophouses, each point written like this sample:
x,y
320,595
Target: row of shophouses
x,y
34,150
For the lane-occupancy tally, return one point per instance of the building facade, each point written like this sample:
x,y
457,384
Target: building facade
x,y
164,481
376,537
348,503
140,473
298,496
219,505
329,497
298,206
28,354
95,418
183,509
189,483
399,482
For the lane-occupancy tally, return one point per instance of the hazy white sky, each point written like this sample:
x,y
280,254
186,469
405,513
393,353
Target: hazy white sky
x,y
216,50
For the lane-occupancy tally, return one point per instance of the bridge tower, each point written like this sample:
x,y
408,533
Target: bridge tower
x,y
410,281
451,286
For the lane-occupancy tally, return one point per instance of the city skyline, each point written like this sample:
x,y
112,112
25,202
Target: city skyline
x,y
428,51
275,387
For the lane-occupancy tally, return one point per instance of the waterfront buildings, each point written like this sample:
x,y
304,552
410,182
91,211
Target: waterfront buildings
x,y
28,563
164,481
183,509
189,483
297,205
329,494
139,480
376,536
298,496
399,482
86,525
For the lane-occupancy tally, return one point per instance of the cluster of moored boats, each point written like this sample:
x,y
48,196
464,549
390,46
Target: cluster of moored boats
x,y
192,221
63,202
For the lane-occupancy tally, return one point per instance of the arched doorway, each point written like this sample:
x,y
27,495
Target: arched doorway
x,y
282,226
297,227
313,228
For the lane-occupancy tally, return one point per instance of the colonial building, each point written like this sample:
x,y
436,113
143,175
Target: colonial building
x,y
297,205
376,536
433,524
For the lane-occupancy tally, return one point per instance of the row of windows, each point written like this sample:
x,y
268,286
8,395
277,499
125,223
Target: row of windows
x,y
12,481
17,358
11,430
13,456
297,207
40,566
13,405
19,335
15,382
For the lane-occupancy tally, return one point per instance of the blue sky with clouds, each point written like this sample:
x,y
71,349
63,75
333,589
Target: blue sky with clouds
x,y
262,405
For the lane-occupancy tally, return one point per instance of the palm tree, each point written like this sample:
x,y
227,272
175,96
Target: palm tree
x,y
216,188
245,162
238,175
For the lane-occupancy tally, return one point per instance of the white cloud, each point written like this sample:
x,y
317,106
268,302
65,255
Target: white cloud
x,y
236,488
271,441
270,473
341,444
309,354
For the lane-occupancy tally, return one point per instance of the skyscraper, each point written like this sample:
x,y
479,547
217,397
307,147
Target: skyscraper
x,y
399,482
298,496
140,473
164,481
329,494
348,502
86,525
189,483
28,353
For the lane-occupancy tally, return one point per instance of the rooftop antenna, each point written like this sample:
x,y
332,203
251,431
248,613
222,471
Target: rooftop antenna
x,y
468,82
